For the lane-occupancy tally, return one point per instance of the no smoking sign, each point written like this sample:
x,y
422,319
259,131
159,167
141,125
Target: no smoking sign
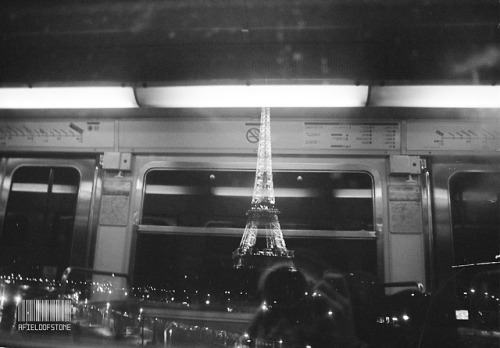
x,y
253,135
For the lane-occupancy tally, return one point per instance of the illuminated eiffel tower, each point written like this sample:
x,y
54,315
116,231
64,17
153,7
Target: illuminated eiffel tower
x,y
262,215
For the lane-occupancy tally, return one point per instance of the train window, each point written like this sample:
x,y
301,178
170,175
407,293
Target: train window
x,y
475,206
37,232
475,217
190,270
199,218
307,201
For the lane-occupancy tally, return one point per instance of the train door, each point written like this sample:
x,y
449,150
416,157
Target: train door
x,y
46,220
466,211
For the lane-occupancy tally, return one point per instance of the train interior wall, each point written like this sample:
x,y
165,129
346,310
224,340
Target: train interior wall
x,y
398,151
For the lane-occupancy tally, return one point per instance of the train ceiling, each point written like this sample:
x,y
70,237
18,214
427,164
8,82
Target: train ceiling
x,y
174,41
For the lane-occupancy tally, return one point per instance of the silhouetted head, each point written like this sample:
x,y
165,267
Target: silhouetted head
x,y
282,285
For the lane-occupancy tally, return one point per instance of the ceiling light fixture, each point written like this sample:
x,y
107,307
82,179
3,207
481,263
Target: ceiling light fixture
x,y
436,96
233,96
67,98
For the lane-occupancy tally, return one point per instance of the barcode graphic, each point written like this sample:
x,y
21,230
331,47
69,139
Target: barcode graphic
x,y
44,311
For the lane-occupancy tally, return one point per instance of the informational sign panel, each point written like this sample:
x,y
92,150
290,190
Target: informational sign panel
x,y
352,136
56,134
453,136
405,209
115,202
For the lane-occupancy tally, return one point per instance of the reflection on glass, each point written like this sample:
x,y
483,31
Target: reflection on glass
x,y
188,267
306,200
189,270
38,227
475,211
475,208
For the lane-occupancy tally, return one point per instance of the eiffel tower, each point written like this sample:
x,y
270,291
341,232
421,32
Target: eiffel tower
x,y
262,215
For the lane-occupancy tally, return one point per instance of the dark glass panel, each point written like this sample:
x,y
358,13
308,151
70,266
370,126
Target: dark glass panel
x,y
189,270
307,201
38,227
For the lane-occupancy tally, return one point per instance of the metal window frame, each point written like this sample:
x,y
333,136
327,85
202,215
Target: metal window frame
x,y
374,166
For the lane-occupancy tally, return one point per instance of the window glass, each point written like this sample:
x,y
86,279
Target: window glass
x,y
475,208
192,266
191,270
38,227
475,217
307,201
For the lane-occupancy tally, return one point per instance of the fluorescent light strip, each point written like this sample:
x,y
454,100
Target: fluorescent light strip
x,y
173,190
235,96
352,193
278,192
253,96
67,98
232,191
436,96
227,191
64,189
22,187
43,188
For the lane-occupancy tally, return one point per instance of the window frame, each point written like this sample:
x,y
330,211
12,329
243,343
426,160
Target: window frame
x,y
291,233
374,166
85,221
